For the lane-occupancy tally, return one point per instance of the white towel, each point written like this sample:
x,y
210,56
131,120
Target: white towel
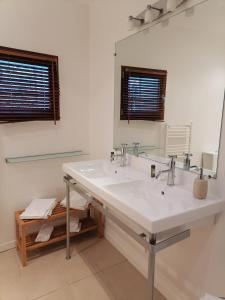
x,y
75,225
44,233
39,209
76,201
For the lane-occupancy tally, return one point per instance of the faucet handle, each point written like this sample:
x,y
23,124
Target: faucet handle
x,y
136,144
172,159
124,145
117,148
136,147
188,154
112,156
124,148
172,156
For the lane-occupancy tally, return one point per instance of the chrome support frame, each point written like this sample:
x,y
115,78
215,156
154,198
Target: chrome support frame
x,y
67,180
151,244
151,267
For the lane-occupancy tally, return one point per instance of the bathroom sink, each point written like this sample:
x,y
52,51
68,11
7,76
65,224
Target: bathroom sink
x,y
105,173
148,202
155,200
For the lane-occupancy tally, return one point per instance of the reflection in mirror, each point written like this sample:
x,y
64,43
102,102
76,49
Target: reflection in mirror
x,y
169,88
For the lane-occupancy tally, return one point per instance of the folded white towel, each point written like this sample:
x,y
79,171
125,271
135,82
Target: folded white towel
x,y
75,224
76,201
44,233
39,209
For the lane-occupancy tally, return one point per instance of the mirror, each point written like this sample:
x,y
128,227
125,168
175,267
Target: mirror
x,y
169,87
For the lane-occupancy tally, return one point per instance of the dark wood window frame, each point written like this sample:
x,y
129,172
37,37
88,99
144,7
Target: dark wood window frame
x,y
143,94
29,86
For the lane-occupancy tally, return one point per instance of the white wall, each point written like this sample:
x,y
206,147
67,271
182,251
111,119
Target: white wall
x,y
59,27
196,265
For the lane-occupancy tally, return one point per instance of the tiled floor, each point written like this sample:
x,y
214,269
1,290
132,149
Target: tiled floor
x,y
96,271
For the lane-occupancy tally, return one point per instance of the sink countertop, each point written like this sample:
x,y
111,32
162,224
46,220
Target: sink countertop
x,y
148,202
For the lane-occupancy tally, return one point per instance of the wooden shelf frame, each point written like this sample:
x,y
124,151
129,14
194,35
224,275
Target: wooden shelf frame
x,y
26,242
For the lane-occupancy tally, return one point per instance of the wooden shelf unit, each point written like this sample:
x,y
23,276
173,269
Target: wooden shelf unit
x,y
26,242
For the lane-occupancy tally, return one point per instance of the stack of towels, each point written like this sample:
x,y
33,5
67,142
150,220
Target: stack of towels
x,y
75,224
39,209
76,201
42,209
44,233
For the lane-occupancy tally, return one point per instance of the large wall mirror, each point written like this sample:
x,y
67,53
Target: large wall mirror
x,y
169,87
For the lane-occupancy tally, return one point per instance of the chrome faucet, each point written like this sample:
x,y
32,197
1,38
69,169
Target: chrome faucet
x,y
136,148
123,155
187,161
170,171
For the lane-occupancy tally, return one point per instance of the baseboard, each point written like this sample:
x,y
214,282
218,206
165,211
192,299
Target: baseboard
x,y
165,280
7,246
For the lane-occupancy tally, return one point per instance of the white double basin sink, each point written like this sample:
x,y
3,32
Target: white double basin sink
x,y
148,202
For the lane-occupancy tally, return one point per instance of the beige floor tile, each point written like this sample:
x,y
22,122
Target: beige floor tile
x,y
61,294
84,242
42,275
10,277
96,271
75,269
12,287
101,255
9,262
89,289
124,282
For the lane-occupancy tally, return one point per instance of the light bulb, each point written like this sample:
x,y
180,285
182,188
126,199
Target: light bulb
x,y
148,15
131,24
171,5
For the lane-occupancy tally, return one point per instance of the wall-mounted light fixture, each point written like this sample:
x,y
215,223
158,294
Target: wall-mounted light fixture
x,y
134,21
149,13
173,4
154,12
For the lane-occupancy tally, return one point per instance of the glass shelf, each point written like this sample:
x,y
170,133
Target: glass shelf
x,y
141,147
20,159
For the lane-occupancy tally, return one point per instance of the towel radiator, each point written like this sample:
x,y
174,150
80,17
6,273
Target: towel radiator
x,y
177,139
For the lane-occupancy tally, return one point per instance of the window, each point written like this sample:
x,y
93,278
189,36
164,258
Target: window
x,y
142,94
29,86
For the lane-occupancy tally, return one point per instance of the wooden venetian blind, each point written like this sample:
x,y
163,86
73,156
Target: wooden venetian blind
x,y
29,86
142,94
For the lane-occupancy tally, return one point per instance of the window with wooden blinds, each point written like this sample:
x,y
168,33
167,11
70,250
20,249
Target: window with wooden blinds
x,y
143,94
29,86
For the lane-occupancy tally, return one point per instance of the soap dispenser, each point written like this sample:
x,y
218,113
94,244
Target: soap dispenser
x,y
200,187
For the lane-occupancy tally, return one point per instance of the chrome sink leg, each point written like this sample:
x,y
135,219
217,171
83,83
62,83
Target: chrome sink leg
x,y
151,267
68,219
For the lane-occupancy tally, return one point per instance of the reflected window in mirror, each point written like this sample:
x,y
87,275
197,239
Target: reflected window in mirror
x,y
143,94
